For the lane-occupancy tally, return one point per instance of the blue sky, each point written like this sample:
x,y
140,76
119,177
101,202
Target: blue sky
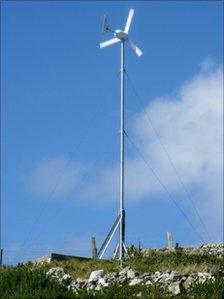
x,y
60,123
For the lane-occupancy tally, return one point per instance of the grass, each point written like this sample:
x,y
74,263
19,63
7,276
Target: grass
x,y
22,282
155,261
83,269
26,283
31,281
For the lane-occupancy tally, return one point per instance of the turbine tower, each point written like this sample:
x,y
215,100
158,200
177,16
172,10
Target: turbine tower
x,y
122,37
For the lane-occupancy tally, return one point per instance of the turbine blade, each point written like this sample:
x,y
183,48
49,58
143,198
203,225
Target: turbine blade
x,y
109,42
135,48
105,25
128,23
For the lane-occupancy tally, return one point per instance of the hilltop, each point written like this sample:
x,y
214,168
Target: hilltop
x,y
180,273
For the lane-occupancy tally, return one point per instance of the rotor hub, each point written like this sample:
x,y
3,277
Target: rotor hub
x,y
120,34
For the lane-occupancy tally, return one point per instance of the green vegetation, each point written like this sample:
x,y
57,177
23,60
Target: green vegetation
x,y
23,282
155,261
208,290
30,281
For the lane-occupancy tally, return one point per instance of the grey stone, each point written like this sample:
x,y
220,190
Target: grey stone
x,y
165,277
168,271
95,275
122,279
214,270
135,281
81,280
139,295
157,278
145,275
65,277
148,282
91,287
111,276
188,282
174,280
98,287
131,274
203,276
175,274
102,282
124,271
73,288
174,288
56,272
74,285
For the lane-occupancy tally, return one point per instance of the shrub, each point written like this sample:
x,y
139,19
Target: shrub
x,y
23,282
208,289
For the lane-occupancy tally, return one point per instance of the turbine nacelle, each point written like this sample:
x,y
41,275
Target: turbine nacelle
x,y
120,35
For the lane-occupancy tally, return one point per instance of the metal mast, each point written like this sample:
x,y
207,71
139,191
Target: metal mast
x,y
122,210
122,37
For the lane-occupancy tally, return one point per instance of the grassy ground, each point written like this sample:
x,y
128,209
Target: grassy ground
x,y
26,283
156,261
29,281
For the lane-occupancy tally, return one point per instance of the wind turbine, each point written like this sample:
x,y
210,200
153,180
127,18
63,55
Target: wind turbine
x,y
122,37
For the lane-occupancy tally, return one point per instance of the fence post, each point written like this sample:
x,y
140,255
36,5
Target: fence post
x,y
169,240
1,255
94,249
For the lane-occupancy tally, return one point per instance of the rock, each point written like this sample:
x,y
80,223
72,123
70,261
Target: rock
x,y
139,295
174,280
214,270
102,282
95,275
131,274
90,287
165,277
56,272
66,277
124,271
81,280
74,286
203,276
145,275
188,282
122,279
111,276
157,275
168,271
98,287
148,282
213,249
135,281
174,288
175,273
157,278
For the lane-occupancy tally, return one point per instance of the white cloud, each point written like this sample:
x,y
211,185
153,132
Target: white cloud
x,y
190,126
56,176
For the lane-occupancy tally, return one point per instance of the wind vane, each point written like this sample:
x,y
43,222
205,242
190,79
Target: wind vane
x,y
122,37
